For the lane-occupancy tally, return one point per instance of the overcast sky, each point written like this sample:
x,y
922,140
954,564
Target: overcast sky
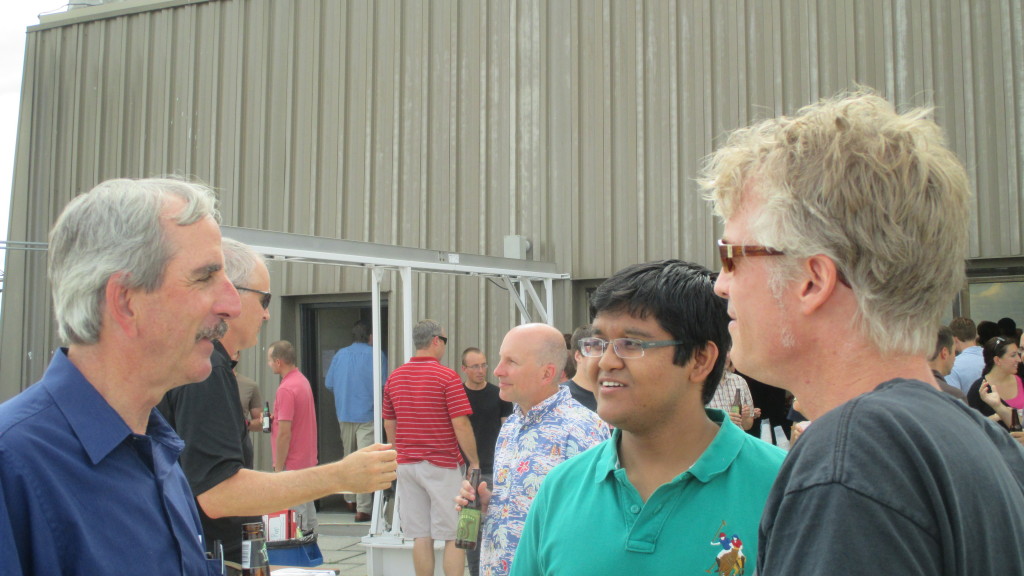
x,y
15,17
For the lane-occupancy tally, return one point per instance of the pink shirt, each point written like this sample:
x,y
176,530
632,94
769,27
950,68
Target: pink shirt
x,y
1018,400
294,403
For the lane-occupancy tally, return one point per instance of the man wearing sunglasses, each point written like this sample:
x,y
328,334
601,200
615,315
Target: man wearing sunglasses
x,y
218,455
678,489
851,219
426,416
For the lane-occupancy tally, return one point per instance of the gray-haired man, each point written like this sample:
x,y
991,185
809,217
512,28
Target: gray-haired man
x,y
90,482
851,218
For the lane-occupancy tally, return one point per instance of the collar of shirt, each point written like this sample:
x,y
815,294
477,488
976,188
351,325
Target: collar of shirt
x,y
716,459
97,425
541,410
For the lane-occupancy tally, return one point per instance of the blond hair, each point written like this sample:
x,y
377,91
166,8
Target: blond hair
x,y
876,191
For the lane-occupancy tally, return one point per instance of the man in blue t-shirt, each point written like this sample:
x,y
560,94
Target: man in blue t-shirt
x,y
350,378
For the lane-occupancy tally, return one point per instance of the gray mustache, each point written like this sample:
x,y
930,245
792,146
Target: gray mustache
x,y
215,333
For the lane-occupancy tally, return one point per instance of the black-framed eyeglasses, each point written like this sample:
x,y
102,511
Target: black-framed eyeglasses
x,y
481,366
729,253
264,296
443,339
623,347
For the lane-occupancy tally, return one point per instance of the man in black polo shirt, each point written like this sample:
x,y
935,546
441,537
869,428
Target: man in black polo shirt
x,y
489,413
218,456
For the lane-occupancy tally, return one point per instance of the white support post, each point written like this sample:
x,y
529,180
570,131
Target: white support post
x,y
550,300
407,315
518,299
407,346
378,400
527,285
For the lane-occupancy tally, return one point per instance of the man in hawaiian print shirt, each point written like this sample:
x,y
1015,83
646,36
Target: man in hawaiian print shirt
x,y
546,428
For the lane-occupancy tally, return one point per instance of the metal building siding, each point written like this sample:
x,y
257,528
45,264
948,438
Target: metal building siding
x,y
448,124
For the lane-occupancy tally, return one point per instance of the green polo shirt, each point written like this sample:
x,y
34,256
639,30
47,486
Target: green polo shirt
x,y
588,518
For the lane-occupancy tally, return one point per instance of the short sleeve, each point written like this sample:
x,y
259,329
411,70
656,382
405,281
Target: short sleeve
x,y
814,543
387,408
256,398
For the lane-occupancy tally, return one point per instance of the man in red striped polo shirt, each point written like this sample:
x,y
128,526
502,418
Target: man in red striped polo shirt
x,y
426,416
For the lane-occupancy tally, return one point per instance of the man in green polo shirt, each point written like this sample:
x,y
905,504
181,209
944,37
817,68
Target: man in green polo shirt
x,y
677,489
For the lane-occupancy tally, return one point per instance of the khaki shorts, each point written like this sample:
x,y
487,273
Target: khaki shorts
x,y
426,500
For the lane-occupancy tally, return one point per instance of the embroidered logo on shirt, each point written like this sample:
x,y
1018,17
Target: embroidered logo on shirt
x,y
730,560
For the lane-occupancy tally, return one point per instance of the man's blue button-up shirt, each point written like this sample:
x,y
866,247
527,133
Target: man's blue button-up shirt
x,y
81,494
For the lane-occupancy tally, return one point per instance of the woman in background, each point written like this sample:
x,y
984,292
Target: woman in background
x,y
999,392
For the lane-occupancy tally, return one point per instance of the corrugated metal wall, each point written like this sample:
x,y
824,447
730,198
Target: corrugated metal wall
x,y
449,124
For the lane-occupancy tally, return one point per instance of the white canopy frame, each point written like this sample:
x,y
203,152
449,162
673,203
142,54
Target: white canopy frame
x,y
519,276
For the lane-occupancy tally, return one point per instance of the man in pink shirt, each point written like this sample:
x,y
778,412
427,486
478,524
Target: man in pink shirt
x,y
293,434
426,415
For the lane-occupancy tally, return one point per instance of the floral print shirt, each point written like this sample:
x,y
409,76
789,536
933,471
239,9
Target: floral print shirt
x,y
529,446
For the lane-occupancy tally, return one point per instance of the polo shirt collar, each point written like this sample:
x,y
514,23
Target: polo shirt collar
x,y
220,350
716,459
98,427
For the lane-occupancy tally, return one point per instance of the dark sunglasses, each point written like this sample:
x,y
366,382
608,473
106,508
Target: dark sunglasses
x,y
264,296
443,339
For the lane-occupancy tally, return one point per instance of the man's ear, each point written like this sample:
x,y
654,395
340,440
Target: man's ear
x,y
703,361
551,373
821,277
119,301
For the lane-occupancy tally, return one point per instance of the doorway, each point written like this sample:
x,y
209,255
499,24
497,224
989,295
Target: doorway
x,y
326,328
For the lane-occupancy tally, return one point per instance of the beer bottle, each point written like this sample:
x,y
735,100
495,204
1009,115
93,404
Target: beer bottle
x,y
737,403
1015,421
468,533
254,550
266,417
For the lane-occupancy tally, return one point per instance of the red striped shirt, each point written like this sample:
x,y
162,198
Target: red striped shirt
x,y
422,397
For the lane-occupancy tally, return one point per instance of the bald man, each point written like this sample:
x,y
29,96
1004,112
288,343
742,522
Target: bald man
x,y
546,428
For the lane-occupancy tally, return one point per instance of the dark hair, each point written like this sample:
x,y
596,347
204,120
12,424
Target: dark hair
x,y
994,348
570,358
681,297
361,331
581,332
944,340
1007,327
963,328
987,330
467,351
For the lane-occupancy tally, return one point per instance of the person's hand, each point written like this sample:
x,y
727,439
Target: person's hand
x,y
737,419
1019,437
990,395
467,494
370,469
797,429
757,412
